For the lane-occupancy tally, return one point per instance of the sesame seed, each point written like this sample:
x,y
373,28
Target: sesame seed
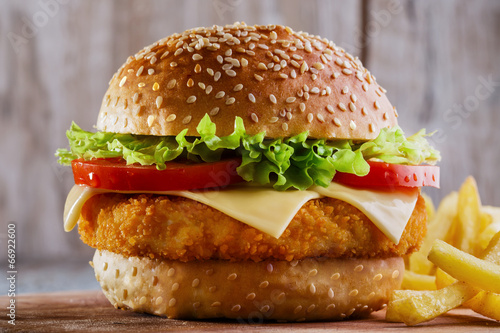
x,y
303,68
232,276
283,76
371,127
263,46
293,74
153,60
310,117
358,268
365,87
386,116
141,84
337,122
289,115
236,308
210,71
151,119
214,111
335,75
335,276
319,66
178,52
302,107
220,94
135,98
230,100
201,85
251,97
156,86
191,99
345,90
220,59
290,99
352,107
244,62
190,83
352,125
273,35
396,113
122,82
227,67
347,64
330,109
331,294
276,67
217,76
395,274
339,61
377,105
262,66
320,118
363,111
197,68
315,90
173,64
238,87
353,292
258,77
346,71
273,120
284,127
139,71
186,120
306,96
273,99
254,117
208,90
342,107
159,100
151,71
297,309
354,98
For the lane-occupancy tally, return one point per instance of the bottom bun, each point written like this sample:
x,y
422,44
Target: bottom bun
x,y
304,290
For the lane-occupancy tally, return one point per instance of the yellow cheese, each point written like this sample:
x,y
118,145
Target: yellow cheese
x,y
388,210
271,211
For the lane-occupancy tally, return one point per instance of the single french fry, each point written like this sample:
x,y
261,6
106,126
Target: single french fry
x,y
415,281
413,307
469,220
465,267
485,303
443,279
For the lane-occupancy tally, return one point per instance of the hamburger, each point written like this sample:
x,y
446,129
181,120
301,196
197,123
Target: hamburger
x,y
248,172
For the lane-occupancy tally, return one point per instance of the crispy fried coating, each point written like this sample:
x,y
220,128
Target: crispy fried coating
x,y
177,228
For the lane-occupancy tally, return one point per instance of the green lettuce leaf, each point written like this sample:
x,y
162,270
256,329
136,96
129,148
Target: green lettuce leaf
x,y
295,162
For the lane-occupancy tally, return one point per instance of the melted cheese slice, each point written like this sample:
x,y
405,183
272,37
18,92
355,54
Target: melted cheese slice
x,y
388,210
271,211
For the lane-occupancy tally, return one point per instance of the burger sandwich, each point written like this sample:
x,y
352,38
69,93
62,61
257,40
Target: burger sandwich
x,y
248,172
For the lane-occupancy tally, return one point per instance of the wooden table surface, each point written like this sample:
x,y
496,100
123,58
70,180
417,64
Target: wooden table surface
x,y
89,311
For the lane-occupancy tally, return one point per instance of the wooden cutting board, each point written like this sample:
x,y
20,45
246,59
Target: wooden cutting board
x,y
90,311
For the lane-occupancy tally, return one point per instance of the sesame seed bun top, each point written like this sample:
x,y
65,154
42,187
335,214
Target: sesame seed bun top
x,y
277,80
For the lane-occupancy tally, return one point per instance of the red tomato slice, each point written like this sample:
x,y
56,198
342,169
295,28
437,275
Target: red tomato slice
x,y
114,174
389,175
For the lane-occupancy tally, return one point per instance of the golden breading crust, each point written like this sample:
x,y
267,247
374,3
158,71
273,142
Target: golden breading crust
x,y
177,228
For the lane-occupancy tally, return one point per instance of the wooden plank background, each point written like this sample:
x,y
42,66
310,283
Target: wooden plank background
x,y
439,61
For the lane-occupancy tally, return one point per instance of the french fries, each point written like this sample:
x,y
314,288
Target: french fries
x,y
465,267
415,281
413,307
463,264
